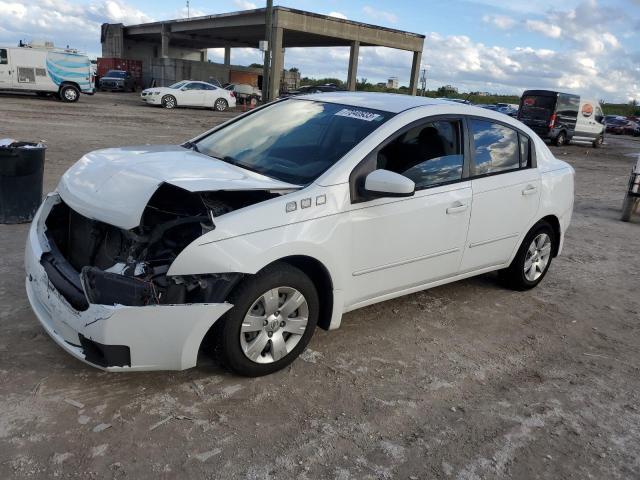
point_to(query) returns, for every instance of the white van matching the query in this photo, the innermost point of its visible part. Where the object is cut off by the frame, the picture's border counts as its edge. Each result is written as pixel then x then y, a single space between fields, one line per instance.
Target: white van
pixel 64 73
pixel 562 117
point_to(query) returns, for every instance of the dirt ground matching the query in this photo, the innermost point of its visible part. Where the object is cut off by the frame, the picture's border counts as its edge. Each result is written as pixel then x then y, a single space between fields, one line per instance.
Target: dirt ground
pixel 465 381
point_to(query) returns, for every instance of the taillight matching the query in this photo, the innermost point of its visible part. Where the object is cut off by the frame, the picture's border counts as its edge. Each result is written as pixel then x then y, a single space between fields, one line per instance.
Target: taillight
pixel 552 121
pixel 233 94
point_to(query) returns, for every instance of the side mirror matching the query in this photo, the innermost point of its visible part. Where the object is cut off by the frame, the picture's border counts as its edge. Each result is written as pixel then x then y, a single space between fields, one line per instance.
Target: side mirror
pixel 384 183
pixel 184 89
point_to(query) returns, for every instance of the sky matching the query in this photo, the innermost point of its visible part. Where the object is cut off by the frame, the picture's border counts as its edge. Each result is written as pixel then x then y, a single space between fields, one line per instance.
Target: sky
pixel 590 47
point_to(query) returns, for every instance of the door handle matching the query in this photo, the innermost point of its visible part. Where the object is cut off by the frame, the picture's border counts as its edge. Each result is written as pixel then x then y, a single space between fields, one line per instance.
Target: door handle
pixel 457 208
pixel 530 190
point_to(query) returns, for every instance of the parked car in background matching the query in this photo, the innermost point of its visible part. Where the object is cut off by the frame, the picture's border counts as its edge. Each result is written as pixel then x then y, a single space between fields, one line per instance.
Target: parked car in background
pixel 244 91
pixel 309 89
pixel 117 80
pixel 562 117
pixel 188 93
pixel 64 73
pixel 257 231
pixel 617 126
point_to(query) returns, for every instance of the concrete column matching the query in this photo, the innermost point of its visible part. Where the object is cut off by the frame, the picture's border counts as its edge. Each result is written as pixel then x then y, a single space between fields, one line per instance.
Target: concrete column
pixel 227 55
pixel 112 38
pixel 415 73
pixel 203 55
pixel 277 63
pixel 166 35
pixel 353 66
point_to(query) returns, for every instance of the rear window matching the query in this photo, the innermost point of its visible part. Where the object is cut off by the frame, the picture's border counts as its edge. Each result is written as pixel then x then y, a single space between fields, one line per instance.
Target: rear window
pixel 537 107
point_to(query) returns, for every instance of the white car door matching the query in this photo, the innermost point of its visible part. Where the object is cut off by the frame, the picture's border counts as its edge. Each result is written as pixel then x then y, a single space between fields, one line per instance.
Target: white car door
pixel 400 243
pixel 506 193
pixel 191 95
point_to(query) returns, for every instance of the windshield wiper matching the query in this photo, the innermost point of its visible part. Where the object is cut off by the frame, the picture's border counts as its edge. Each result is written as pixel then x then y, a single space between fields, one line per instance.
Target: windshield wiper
pixel 191 146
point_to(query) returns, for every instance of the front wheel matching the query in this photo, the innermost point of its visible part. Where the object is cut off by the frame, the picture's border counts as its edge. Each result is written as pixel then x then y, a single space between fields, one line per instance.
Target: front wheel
pixel 274 315
pixel 221 105
pixel 169 101
pixel 533 259
pixel 629 205
pixel 597 143
pixel 69 93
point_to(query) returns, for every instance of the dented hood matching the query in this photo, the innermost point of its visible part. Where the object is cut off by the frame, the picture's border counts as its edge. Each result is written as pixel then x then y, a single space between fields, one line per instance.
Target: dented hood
pixel 115 185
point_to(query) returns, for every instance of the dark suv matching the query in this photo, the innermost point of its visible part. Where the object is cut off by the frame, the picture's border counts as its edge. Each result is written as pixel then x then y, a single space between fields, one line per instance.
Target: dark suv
pixel 118 80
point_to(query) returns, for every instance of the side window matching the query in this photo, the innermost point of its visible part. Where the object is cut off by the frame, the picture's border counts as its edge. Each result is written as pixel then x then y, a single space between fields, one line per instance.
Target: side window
pixel 4 59
pixel 193 86
pixel 495 147
pixel 429 154
pixel 525 151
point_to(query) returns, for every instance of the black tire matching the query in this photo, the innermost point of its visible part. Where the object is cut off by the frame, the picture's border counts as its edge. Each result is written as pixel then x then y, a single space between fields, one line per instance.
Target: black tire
pixel 560 140
pixel 227 330
pixel 69 93
pixel 514 277
pixel 169 102
pixel 597 143
pixel 220 105
pixel 628 207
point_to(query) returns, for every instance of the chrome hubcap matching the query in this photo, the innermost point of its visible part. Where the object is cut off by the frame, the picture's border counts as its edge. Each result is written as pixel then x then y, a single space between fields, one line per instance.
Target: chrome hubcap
pixel 70 94
pixel 220 105
pixel 169 102
pixel 274 325
pixel 537 258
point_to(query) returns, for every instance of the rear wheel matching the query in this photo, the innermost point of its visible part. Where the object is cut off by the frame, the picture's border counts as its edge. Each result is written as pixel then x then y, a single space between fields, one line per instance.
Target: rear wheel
pixel 560 140
pixel 533 259
pixel 221 105
pixel 69 93
pixel 169 101
pixel 274 315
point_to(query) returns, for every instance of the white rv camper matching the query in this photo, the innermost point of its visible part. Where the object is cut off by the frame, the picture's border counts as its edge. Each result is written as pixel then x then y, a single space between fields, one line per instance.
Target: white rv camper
pixel 41 70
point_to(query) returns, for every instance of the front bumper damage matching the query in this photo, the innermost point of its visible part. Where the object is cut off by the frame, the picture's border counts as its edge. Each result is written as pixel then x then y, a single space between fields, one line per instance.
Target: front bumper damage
pixel 114 337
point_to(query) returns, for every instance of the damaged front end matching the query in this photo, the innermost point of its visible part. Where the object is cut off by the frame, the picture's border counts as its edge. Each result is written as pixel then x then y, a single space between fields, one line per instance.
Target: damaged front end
pixel 103 293
pixel 93 262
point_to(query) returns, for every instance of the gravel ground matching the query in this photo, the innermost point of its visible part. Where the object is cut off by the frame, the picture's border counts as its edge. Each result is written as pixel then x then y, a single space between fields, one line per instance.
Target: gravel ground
pixel 465 381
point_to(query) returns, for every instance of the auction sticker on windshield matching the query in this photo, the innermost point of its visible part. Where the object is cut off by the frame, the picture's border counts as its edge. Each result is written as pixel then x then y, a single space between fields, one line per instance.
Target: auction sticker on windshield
pixel 359 114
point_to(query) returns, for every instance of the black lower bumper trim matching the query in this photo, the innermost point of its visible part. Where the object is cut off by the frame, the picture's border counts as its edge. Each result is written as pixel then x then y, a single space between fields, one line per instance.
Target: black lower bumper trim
pixel 105 355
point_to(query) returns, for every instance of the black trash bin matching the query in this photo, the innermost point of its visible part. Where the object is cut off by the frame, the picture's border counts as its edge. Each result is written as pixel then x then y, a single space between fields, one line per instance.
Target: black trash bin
pixel 21 172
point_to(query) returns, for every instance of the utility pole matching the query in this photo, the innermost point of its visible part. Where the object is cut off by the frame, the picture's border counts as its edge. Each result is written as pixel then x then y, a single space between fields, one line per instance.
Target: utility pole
pixel 188 10
pixel 267 53
pixel 423 81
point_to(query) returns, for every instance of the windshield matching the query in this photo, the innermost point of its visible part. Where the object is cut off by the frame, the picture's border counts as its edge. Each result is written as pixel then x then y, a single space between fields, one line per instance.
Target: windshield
pixel 293 140
pixel 178 85
pixel 115 74
pixel 537 107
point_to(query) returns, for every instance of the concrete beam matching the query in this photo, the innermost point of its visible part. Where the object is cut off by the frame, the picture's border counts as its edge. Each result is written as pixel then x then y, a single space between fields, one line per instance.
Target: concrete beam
pixel 227 55
pixel 415 72
pixel 165 37
pixel 277 63
pixel 353 66
pixel 336 28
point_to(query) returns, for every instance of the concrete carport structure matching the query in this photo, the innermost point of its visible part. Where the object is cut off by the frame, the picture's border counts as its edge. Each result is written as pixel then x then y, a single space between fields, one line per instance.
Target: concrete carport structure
pixel 290 28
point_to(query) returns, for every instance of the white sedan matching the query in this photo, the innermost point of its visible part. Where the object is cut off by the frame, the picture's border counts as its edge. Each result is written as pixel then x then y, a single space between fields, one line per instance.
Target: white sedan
pixel 242 243
pixel 190 94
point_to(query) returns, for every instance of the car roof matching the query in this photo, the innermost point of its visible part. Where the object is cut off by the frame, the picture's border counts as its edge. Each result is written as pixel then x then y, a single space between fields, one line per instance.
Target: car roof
pixel 386 102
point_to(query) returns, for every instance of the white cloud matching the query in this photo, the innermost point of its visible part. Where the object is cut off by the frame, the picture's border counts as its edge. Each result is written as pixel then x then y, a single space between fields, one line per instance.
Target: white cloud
pixel 380 15
pixel 244 5
pixel 550 30
pixel 503 22
pixel 337 15
pixel 62 22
